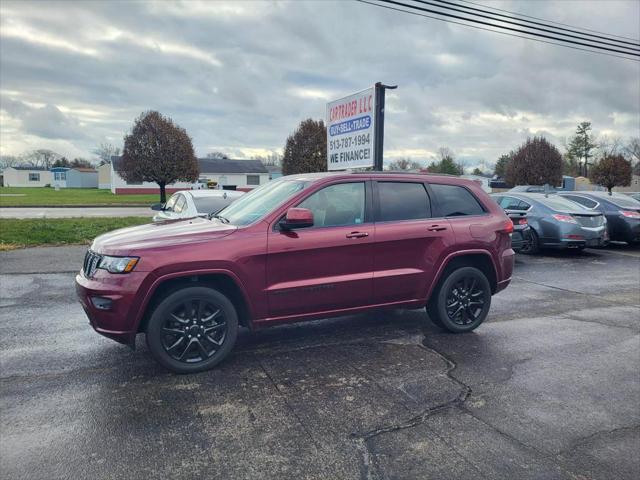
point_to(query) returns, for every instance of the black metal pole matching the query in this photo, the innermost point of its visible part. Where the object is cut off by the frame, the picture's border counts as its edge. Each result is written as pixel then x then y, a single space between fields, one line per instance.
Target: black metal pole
pixel 378 159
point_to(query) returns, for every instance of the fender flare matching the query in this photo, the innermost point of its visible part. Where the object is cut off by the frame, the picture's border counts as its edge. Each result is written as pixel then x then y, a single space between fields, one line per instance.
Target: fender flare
pixel 447 260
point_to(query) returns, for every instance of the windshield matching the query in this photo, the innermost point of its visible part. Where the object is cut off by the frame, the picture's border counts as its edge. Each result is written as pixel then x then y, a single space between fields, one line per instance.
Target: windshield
pixel 211 204
pixel 257 203
pixel 619 200
pixel 560 204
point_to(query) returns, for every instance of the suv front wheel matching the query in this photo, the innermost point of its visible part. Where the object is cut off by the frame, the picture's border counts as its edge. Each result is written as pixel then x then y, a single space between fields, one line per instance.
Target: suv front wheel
pixel 462 300
pixel 192 329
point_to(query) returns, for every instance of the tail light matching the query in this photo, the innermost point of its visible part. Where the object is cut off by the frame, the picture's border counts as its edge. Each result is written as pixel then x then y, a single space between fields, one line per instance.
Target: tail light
pixel 630 214
pixel 564 218
pixel 508 227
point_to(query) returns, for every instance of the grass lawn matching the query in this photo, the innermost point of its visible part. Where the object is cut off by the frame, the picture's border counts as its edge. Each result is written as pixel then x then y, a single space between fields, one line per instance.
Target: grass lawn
pixel 18 233
pixel 44 196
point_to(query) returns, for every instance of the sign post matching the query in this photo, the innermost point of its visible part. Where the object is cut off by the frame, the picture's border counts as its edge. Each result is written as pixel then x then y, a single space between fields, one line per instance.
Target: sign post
pixel 355 130
pixel 378 163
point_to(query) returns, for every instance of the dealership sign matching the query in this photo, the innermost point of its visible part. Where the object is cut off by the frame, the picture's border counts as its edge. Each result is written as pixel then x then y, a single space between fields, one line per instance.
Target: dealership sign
pixel 350 131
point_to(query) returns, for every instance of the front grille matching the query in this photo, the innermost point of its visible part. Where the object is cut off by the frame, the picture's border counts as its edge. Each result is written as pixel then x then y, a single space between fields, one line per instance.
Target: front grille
pixel 90 264
pixel 590 221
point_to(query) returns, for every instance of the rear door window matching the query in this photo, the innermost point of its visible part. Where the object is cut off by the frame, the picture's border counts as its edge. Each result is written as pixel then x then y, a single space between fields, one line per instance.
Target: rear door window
pixel 455 201
pixel 512 203
pixel 402 201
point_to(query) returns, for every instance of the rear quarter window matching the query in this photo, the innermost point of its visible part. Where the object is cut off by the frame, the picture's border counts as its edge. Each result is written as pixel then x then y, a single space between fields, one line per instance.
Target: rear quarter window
pixel 456 201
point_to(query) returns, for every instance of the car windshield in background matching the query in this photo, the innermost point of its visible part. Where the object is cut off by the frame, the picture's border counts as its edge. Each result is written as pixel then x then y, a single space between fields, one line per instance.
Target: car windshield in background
pixel 257 203
pixel 210 204
pixel 562 204
pixel 619 200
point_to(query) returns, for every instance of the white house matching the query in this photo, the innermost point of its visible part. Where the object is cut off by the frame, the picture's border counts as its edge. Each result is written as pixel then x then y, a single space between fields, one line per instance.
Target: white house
pixel 232 174
pixel 27 177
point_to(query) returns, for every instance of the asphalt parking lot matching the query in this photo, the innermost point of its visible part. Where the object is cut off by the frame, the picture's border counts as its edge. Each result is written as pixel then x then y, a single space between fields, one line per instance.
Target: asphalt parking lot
pixel 548 388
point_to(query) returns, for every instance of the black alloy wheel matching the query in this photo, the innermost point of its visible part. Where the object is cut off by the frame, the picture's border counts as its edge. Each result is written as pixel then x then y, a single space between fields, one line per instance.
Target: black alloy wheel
pixel 192 329
pixel 461 301
pixel 465 301
pixel 531 245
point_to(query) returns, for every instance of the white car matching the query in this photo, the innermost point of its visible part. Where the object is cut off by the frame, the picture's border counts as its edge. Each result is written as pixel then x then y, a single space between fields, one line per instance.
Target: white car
pixel 194 203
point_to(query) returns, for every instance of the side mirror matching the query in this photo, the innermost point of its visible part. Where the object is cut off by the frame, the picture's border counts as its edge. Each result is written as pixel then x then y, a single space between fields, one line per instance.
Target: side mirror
pixel 297 218
pixel 158 207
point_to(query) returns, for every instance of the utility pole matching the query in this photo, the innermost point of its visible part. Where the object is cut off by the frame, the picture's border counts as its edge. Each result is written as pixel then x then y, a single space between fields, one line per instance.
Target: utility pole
pixel 378 147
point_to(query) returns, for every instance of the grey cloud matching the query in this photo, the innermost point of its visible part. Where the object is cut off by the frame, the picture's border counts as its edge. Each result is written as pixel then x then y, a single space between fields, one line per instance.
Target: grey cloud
pixel 451 79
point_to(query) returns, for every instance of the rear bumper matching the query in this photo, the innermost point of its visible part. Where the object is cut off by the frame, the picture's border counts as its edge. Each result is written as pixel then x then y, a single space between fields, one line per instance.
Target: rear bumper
pixel 117 295
pixel 506 262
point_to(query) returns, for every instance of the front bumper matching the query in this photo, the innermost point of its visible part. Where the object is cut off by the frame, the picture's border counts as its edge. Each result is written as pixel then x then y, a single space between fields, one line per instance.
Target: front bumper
pixel 119 293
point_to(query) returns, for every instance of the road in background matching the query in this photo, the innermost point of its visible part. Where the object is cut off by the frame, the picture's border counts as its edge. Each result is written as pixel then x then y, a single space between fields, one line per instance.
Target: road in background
pixel 69 212
pixel 547 388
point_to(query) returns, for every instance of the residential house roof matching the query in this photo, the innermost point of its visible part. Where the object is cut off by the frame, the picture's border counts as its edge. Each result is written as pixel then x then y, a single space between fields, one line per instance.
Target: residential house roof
pixel 29 167
pixel 220 165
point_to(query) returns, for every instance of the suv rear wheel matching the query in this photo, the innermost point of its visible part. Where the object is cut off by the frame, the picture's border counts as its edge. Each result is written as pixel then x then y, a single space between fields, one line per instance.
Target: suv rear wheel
pixel 192 329
pixel 462 300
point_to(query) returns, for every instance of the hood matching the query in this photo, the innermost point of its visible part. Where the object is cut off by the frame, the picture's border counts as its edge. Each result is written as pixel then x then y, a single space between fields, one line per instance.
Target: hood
pixel 160 234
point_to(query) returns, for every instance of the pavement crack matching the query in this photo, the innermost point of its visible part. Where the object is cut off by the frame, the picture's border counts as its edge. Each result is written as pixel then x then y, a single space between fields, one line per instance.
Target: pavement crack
pixel 601 433
pixel 362 439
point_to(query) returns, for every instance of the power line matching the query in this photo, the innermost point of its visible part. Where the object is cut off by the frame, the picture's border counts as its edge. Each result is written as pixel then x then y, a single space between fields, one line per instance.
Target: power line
pixel 494 31
pixel 554 30
pixel 549 21
pixel 450 15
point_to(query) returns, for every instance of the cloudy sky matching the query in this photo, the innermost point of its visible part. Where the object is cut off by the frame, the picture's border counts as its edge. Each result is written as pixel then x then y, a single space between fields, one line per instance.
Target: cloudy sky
pixel 239 76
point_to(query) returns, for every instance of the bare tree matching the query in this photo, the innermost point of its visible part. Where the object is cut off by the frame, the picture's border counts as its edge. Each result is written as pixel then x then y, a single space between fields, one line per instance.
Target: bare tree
pixel 41 158
pixel 7 161
pixel 404 164
pixel 609 146
pixel 217 156
pixel 105 151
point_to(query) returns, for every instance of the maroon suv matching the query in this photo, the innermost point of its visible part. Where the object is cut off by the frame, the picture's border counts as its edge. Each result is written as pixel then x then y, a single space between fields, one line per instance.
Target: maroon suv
pixel 300 247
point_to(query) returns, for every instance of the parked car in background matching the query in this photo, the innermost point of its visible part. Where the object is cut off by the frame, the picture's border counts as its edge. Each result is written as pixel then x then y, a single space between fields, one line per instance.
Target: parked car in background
pixel 555 222
pixel 300 247
pixel 194 203
pixel 634 195
pixel 621 211
pixel 532 189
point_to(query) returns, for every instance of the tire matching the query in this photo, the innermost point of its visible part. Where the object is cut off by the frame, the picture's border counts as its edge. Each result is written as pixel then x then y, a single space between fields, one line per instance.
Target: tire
pixel 192 330
pixel 533 245
pixel 469 286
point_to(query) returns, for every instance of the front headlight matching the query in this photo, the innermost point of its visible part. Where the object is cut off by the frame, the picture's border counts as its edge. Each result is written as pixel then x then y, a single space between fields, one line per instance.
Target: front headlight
pixel 118 264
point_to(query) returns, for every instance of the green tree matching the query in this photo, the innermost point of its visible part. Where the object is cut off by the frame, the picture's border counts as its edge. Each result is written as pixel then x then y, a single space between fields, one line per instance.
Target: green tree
pixel 536 162
pixel 404 164
pixel 477 171
pixel 445 163
pixel 157 150
pixel 582 145
pixel 612 171
pixel 500 170
pixel 306 149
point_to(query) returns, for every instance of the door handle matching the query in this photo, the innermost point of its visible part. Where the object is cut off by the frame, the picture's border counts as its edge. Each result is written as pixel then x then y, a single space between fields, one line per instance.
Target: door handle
pixel 436 228
pixel 357 235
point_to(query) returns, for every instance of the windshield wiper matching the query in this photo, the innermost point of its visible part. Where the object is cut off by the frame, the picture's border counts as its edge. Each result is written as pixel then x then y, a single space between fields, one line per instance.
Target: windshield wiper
pixel 219 217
